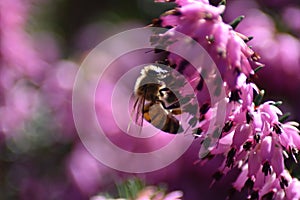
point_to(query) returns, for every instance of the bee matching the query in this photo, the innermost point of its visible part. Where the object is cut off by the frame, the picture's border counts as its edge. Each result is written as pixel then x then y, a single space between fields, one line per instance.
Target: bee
pixel 156 103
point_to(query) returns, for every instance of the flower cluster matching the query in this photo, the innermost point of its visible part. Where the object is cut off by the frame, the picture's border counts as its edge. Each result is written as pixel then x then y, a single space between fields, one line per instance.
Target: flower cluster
pixel 276 41
pixel 203 22
pixel 20 69
pixel 31 81
pixel 254 137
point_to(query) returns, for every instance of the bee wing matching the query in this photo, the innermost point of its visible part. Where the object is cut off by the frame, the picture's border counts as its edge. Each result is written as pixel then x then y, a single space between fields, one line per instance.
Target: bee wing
pixel 138 108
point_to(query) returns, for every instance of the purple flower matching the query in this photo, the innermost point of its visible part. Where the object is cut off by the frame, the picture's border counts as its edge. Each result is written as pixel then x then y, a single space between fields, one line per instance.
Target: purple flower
pixel 203 22
pixel 85 171
pixel 292 191
pixel 184 2
pixel 252 137
pixel 290 14
pixel 242 133
pixel 21 69
pixel 276 44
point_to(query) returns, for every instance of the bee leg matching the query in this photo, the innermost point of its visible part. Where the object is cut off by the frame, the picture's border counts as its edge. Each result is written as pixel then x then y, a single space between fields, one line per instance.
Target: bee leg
pixel 146 114
pixel 138 110
pixel 143 107
pixel 162 103
pixel 176 111
pixel 135 103
pixel 132 112
pixel 174 108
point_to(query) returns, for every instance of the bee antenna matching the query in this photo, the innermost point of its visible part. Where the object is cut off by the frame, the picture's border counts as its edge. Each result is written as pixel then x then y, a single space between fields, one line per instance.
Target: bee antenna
pixel 128 127
pixel 196 162
pixel 186 131
pixel 212 183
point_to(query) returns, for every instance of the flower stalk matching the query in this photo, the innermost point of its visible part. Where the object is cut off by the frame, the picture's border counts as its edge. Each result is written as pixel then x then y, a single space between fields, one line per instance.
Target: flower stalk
pixel 255 136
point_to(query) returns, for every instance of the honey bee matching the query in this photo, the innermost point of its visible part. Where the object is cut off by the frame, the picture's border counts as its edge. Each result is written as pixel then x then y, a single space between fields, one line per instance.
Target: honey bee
pixel 156 103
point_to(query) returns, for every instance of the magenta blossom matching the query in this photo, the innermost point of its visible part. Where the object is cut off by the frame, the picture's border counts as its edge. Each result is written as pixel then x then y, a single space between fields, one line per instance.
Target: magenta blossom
pixel 275 40
pixel 203 22
pixel 253 137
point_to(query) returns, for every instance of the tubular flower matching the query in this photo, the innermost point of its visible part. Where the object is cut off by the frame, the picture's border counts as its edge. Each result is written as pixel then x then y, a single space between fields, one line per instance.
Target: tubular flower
pixel 203 22
pixel 253 137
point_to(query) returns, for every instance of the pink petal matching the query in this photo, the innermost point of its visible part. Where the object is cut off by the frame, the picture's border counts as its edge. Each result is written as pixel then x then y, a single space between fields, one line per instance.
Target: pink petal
pixel 254 163
pixel 257 121
pixel 247 96
pixel 292 135
pixel 234 52
pixel 293 190
pixel 169 20
pixel 242 178
pixel 185 2
pixel 277 159
pixel 174 195
pixel 221 35
pixel 271 112
pixel 241 134
pixel 265 149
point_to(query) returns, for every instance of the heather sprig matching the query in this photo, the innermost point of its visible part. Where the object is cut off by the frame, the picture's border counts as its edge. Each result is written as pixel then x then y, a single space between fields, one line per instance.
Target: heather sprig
pixel 254 138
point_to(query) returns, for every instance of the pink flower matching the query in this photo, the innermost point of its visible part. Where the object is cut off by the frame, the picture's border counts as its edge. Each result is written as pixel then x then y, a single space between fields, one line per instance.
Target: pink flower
pixel 292 191
pixel 279 50
pixel 290 14
pixel 203 22
pixel 289 138
pixel 241 134
pixel 184 2
pixel 266 154
pixel 21 69
pixel 252 137
pixel 149 193
pixel 85 171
